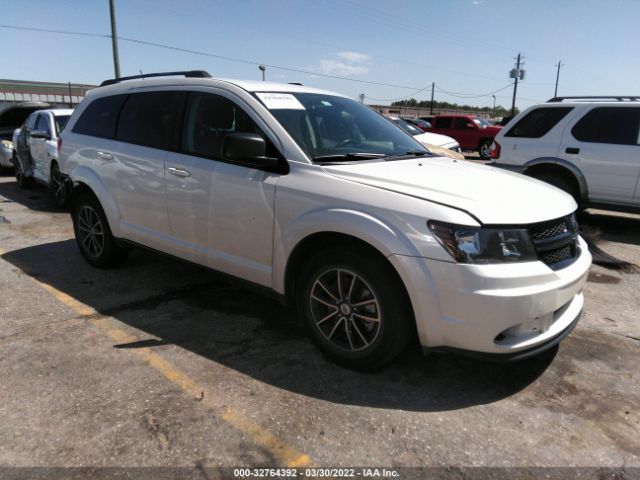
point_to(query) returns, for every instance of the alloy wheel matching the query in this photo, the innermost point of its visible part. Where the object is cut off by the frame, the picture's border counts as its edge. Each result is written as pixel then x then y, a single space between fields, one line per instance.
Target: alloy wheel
pixel 345 309
pixel 90 231
pixel 57 185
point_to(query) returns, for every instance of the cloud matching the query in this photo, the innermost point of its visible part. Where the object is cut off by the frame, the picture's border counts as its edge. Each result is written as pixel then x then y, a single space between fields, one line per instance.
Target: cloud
pixel 335 67
pixel 353 57
pixel 479 2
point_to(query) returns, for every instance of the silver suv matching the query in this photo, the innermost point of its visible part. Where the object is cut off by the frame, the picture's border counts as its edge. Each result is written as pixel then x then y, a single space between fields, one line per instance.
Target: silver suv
pixel 586 146
pixel 328 205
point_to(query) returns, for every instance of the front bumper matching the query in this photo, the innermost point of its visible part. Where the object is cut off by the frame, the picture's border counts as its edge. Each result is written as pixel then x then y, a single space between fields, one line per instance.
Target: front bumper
pixel 497 309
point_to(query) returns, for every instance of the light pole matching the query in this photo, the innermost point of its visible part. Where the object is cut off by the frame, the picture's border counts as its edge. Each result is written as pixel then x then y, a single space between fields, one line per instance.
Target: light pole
pixel 494 104
pixel 262 69
pixel 114 38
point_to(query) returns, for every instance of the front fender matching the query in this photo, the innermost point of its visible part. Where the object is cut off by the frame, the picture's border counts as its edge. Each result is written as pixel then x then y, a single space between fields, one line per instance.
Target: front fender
pixel 81 174
pixel 368 228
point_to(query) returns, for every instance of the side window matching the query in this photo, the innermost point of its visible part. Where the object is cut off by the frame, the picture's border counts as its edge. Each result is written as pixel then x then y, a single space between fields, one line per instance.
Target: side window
pixel 208 119
pixel 31 121
pixel 99 118
pixel 43 123
pixel 461 123
pixel 538 122
pixel 151 119
pixel 442 122
pixel 609 125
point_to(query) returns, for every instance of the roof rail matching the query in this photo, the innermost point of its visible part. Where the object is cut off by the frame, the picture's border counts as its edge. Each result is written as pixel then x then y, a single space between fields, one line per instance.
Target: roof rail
pixel 188 74
pixel 619 98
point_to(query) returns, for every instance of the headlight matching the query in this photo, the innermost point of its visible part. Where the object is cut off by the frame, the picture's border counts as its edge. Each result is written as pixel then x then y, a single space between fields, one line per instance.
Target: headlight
pixel 7 144
pixel 484 245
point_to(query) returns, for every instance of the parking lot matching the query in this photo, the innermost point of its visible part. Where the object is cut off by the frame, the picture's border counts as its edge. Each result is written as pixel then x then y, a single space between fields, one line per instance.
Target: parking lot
pixel 161 363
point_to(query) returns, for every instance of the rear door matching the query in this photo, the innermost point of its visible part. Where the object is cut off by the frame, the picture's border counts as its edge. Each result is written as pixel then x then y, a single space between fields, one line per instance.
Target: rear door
pixel 604 145
pixel 148 126
pixel 442 125
pixel 465 131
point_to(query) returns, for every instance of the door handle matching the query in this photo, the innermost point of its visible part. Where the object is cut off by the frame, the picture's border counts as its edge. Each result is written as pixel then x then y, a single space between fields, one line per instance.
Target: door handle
pixel 178 172
pixel 573 150
pixel 105 156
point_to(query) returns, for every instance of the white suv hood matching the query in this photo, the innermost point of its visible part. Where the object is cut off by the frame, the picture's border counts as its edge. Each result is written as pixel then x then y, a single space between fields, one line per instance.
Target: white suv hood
pixel 490 194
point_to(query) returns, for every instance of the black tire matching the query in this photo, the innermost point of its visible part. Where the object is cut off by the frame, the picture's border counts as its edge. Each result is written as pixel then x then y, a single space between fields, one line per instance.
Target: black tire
pixel 22 180
pixel 89 220
pixel 484 149
pixel 560 182
pixel 58 186
pixel 346 337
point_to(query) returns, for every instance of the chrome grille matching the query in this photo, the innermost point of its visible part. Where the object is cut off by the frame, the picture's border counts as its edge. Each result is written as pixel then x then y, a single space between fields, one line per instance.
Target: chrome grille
pixel 546 230
pixel 558 255
pixel 556 241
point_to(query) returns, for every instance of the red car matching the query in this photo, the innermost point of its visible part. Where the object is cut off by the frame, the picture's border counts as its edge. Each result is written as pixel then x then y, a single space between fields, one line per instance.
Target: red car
pixel 472 133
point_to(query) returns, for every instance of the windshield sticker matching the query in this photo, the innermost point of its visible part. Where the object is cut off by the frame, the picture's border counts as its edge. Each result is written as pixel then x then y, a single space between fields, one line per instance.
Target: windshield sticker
pixel 280 101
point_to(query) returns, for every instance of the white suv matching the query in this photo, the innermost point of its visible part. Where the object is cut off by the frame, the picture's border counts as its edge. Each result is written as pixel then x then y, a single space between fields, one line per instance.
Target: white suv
pixel 586 146
pixel 326 204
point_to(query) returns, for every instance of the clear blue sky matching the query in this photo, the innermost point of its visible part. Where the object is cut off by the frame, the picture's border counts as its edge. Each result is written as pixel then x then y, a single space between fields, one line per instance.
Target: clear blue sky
pixel 465 46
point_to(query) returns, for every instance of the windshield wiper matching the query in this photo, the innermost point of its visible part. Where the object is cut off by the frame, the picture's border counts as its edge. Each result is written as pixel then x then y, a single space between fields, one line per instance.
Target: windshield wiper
pixel 409 154
pixel 341 157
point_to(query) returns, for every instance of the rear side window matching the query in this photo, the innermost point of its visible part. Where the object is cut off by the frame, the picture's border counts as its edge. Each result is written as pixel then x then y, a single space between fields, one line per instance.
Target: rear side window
pixel 442 122
pixel 151 119
pixel 99 118
pixel 609 125
pixel 461 123
pixel 538 122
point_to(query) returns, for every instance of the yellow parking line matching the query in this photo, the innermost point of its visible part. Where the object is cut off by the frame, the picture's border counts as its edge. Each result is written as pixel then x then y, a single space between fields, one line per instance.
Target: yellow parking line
pixel 287 454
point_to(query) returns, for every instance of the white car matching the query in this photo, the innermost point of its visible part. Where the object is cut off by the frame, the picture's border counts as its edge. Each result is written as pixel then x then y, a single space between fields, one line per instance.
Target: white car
pixel 35 148
pixel 325 204
pixel 11 117
pixel 430 140
pixel 586 146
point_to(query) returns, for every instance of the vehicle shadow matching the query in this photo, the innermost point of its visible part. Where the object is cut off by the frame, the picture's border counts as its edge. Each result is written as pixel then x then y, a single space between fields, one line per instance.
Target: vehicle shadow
pixel 613 227
pixel 37 197
pixel 177 303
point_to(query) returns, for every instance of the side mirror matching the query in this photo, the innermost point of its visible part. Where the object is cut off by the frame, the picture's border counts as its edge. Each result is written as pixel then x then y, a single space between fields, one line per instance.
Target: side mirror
pixel 471 125
pixel 249 149
pixel 40 134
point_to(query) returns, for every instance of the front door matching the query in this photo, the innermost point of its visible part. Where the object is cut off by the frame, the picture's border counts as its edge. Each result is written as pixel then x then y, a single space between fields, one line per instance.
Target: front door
pixel 220 214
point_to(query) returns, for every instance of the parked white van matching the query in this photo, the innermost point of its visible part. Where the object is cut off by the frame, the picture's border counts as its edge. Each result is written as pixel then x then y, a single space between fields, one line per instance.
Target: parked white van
pixel 326 204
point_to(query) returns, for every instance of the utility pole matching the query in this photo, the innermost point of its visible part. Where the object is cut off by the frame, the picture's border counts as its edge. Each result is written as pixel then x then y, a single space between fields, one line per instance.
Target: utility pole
pixel 433 86
pixel 555 94
pixel 518 74
pixel 114 39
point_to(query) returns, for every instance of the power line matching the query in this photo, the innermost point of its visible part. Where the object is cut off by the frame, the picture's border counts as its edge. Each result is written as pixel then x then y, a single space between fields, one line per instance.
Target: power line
pixel 472 95
pixel 211 55
pixel 252 62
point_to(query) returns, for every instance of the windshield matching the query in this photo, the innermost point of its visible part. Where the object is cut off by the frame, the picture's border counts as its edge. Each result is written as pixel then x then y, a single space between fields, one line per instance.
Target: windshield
pixel 331 126
pixel 61 121
pixel 481 122
pixel 406 126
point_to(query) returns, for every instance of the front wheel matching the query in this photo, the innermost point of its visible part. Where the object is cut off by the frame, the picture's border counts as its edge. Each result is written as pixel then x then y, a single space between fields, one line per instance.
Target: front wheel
pixel 58 186
pixel 355 308
pixel 485 150
pixel 93 235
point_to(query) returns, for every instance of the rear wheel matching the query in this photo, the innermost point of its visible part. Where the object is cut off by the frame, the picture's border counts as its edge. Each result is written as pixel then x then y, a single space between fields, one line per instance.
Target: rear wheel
pixel 93 235
pixel 355 308
pixel 58 186
pixel 485 149
pixel 22 180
